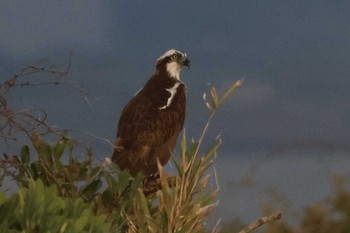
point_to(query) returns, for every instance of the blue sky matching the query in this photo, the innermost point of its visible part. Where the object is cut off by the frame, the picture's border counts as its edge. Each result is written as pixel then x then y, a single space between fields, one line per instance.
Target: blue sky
pixel 293 55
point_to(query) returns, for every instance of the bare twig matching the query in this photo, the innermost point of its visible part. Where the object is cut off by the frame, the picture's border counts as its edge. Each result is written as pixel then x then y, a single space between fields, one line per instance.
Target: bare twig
pixel 261 221
pixel 28 120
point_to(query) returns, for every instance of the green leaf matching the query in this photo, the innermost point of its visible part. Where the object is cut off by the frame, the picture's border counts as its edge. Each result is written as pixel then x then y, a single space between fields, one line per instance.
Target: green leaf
pixel 123 181
pixel 59 148
pixel 25 154
pixel 90 190
pixel 143 203
pixel 82 221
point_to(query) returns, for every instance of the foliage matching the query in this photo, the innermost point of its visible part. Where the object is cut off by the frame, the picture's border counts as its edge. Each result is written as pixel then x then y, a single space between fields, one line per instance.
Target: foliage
pixel 39 208
pixel 183 201
pixel 62 192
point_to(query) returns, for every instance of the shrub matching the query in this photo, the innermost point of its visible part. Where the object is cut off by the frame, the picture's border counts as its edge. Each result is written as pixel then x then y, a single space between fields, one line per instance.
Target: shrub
pixel 39 208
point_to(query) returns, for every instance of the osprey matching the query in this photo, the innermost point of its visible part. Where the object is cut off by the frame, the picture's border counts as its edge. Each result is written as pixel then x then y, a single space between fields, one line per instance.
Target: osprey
pixel 150 123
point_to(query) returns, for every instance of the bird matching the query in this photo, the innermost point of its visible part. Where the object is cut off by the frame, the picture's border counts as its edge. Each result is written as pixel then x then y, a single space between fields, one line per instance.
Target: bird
pixel 150 123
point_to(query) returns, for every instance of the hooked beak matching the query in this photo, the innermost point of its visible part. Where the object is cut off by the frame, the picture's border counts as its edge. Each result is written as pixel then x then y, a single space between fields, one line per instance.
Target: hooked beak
pixel 187 63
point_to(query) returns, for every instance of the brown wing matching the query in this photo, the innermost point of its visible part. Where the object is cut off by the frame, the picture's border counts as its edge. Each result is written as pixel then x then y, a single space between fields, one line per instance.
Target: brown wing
pixel 146 132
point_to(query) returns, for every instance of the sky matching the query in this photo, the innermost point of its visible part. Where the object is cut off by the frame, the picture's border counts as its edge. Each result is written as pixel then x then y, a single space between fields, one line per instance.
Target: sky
pixel 287 127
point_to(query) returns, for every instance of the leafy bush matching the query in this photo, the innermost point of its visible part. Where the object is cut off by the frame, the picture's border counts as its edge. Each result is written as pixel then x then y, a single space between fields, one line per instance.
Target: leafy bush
pixel 183 202
pixel 39 208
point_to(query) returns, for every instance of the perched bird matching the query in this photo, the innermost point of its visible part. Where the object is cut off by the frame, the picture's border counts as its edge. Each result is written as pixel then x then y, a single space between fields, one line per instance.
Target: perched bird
pixel 150 123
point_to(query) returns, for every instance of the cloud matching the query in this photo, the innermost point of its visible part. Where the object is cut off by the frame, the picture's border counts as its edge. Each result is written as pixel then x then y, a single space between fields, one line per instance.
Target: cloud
pixel 254 91
pixel 28 26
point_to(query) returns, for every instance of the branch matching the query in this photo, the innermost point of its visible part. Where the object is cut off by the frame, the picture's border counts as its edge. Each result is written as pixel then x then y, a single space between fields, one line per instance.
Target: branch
pixel 11 120
pixel 261 221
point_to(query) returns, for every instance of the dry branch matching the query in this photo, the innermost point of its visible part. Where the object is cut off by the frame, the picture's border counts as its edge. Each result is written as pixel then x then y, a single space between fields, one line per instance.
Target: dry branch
pixel 27 120
pixel 261 221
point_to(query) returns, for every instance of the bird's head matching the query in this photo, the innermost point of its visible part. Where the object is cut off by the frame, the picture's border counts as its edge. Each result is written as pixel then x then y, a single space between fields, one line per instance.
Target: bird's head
pixel 172 61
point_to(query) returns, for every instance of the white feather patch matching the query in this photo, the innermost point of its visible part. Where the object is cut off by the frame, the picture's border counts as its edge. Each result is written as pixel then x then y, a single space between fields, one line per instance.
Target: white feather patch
pixel 172 92
pixel 170 53
pixel 174 69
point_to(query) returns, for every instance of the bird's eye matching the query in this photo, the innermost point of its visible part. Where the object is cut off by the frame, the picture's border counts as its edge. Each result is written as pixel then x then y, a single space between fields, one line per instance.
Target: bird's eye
pixel 175 56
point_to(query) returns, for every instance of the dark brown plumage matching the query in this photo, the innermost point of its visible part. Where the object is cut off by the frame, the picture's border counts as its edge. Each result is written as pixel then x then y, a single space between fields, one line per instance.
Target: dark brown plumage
pixel 150 123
